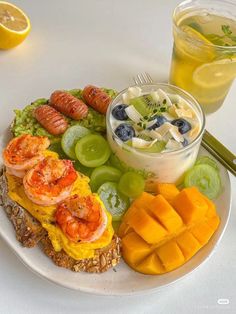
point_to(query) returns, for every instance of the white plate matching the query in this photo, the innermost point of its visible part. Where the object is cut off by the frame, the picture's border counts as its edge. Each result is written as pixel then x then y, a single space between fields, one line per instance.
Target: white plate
pixel 123 281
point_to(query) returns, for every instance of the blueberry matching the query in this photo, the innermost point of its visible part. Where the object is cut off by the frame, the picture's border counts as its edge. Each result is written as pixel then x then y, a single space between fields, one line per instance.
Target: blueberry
pixel 125 132
pixel 119 112
pixel 183 125
pixel 185 142
pixel 159 121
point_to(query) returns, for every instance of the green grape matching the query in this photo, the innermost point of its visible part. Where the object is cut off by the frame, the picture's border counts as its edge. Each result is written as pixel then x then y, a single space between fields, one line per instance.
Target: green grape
pixel 71 137
pixel 131 184
pixel 92 150
pixel 103 174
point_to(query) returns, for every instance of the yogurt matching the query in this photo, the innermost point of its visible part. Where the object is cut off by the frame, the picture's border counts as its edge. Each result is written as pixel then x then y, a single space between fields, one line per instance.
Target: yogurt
pixel 162 140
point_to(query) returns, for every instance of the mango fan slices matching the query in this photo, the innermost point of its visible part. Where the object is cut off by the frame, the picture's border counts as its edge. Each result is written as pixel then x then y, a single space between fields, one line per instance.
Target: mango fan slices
pixel 160 233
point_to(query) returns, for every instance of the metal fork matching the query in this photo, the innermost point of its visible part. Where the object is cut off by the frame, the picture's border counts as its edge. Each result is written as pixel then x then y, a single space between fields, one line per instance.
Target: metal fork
pixel 209 142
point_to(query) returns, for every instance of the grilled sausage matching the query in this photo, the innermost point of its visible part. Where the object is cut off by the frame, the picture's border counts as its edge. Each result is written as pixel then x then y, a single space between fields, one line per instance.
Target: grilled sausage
pixel 50 119
pixel 96 98
pixel 69 105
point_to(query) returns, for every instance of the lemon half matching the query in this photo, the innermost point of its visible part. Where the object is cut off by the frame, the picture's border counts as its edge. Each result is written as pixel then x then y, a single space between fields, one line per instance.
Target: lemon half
pixel 14 25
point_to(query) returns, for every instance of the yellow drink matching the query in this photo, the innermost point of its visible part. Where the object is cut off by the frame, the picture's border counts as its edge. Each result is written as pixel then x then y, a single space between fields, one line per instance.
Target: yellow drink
pixel 204 52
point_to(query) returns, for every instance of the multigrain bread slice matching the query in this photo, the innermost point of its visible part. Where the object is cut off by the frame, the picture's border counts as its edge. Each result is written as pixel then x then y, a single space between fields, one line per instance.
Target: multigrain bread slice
pixel 104 258
pixel 29 232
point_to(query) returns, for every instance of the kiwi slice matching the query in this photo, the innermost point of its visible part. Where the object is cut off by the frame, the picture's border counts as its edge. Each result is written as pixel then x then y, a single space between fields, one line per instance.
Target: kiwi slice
pixel 206 178
pixel 144 104
pixel 155 148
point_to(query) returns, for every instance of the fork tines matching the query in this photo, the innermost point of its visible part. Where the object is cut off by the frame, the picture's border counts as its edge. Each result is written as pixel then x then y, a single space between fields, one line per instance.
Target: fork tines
pixel 143 78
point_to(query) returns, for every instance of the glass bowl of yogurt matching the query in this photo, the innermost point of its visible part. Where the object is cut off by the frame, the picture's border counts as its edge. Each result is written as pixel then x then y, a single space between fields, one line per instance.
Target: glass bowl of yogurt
pixel 155 129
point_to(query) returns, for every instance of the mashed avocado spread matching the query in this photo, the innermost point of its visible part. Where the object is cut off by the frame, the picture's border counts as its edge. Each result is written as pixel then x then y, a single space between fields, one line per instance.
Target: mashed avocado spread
pixel 24 121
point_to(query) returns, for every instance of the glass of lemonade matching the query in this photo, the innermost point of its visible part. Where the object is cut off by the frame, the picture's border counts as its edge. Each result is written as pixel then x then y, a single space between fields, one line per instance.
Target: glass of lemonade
pixel 152 110
pixel 204 51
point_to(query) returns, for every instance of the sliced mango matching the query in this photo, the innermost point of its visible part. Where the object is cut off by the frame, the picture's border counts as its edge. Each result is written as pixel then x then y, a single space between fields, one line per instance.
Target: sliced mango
pixel 190 205
pixel 214 222
pixel 124 229
pixel 143 200
pixel 168 190
pixel 147 227
pixel 151 265
pixel 202 232
pixel 171 255
pixel 188 244
pixel 159 236
pixel 165 213
pixel 138 249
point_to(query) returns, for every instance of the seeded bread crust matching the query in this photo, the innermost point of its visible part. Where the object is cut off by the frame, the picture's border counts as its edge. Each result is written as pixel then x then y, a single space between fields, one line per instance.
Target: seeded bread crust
pixel 28 230
pixel 29 233
pixel 104 258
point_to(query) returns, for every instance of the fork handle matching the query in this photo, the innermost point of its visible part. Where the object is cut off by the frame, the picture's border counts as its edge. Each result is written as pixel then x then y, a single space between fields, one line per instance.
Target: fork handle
pixel 219 151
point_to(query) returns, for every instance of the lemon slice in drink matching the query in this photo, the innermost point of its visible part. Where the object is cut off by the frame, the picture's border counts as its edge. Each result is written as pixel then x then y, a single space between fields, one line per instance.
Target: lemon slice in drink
pixel 215 74
pixel 191 32
pixel 194 45
pixel 14 25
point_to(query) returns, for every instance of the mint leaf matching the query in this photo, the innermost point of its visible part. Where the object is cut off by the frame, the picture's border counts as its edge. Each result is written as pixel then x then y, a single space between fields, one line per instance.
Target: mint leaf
pixel 226 29
pixel 215 39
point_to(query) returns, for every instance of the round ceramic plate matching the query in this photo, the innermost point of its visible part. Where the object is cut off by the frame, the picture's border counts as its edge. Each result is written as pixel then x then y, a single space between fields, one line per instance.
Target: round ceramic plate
pixel 122 280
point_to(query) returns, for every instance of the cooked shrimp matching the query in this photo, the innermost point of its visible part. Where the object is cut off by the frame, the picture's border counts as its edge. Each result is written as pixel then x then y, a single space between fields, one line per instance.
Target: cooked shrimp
pixel 50 181
pixel 81 218
pixel 23 152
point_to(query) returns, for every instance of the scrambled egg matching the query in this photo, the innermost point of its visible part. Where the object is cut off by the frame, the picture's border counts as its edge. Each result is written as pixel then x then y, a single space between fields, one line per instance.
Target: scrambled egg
pixel 45 214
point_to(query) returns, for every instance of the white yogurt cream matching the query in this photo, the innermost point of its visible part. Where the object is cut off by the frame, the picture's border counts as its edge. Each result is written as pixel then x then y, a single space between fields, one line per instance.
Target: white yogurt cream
pixel 157 130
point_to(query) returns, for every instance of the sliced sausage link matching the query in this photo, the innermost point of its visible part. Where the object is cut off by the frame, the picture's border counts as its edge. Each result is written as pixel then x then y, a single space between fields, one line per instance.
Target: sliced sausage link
pixel 50 119
pixel 97 98
pixel 69 105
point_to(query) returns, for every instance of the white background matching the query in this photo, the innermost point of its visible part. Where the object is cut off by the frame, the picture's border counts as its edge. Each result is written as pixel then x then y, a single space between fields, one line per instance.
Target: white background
pixel 106 42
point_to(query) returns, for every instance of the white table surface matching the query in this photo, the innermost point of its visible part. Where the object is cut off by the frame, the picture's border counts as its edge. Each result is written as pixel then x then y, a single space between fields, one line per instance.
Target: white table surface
pixel 106 42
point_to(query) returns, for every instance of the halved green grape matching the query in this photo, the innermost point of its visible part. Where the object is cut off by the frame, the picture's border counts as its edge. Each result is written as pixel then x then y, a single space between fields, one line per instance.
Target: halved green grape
pixel 83 169
pixel 103 174
pixel 71 137
pixel 92 150
pixel 207 161
pixel 131 184
pixel 115 202
pixel 205 178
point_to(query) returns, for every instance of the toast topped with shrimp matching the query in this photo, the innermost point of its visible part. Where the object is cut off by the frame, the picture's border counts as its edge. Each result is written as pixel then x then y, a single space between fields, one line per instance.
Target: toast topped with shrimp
pixel 51 204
